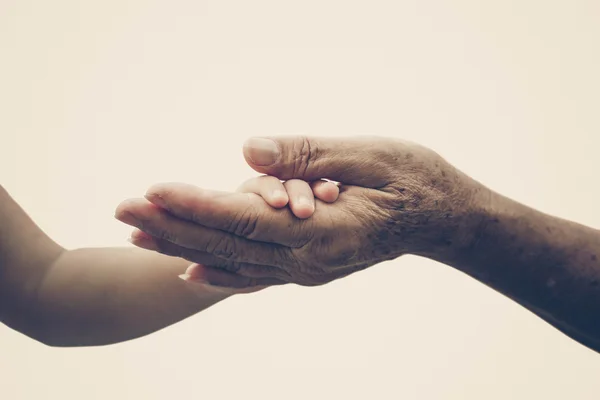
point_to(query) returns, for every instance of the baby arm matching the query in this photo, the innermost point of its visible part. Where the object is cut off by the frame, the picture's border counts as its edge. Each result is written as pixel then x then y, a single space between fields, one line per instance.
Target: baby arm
pixel 98 296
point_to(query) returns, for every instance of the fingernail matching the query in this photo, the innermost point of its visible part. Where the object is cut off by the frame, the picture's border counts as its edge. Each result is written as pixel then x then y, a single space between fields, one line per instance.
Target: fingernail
pixel 262 152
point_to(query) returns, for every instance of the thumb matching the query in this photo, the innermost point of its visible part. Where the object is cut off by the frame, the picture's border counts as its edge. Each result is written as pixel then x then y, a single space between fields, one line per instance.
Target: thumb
pixel 363 161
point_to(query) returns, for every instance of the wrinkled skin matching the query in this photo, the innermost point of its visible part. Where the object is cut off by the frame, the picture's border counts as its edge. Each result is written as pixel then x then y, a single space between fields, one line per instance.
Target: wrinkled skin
pixel 396 198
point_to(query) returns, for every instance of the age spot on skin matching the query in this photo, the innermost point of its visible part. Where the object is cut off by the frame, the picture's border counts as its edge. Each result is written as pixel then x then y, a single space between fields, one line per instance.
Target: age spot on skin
pixel 593 257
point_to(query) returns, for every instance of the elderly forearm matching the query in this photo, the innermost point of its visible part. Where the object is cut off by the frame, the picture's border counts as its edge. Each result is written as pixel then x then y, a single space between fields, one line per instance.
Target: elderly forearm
pixel 549 265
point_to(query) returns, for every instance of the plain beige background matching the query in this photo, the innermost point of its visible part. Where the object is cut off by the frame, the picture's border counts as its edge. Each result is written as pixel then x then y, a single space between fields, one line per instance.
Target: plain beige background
pixel 100 99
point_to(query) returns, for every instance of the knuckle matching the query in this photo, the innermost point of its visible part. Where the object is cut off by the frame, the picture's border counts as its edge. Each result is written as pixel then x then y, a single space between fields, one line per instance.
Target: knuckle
pixel 233 267
pixel 166 235
pixel 304 153
pixel 244 224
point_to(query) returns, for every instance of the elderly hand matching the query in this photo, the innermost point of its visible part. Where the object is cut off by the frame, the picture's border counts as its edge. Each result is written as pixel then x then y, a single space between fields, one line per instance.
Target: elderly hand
pixel 298 195
pixel 396 198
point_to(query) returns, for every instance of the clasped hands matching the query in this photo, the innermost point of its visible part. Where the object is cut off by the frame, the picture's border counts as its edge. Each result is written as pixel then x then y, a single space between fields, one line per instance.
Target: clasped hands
pixel 393 198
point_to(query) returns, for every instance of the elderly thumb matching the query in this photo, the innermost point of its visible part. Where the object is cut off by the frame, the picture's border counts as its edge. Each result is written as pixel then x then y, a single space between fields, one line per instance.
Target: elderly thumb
pixel 362 161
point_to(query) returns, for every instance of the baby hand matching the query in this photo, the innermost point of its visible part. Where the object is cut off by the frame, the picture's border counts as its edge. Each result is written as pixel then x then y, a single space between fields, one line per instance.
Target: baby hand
pixel 298 194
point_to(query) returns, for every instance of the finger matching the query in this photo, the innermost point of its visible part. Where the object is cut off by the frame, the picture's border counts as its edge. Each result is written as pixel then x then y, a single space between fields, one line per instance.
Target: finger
pixel 201 274
pixel 160 224
pixel 242 214
pixel 250 274
pixel 363 161
pixel 313 280
pixel 325 191
pixel 148 242
pixel 227 280
pixel 302 199
pixel 269 188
